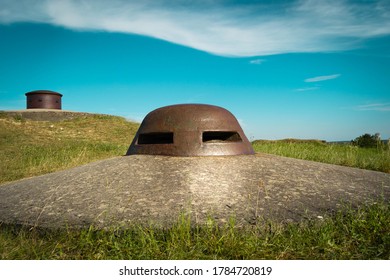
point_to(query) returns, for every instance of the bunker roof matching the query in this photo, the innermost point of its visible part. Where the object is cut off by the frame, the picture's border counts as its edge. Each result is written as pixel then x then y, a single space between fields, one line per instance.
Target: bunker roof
pixel 43 92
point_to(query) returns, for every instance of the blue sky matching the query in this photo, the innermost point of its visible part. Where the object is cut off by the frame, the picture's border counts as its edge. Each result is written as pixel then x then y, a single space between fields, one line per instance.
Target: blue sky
pixel 286 69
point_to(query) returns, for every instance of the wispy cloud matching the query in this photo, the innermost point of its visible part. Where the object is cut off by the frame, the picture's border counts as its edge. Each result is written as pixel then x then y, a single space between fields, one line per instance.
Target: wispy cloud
pixel 322 78
pixel 306 89
pixel 228 28
pixel 374 107
pixel 257 61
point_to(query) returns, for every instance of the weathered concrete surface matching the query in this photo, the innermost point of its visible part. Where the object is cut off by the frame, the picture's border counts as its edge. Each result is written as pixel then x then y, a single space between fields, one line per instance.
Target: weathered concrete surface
pixel 156 189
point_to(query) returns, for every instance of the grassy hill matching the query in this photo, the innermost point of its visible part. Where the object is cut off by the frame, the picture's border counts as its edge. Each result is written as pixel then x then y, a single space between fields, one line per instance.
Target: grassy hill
pixel 341 154
pixel 30 148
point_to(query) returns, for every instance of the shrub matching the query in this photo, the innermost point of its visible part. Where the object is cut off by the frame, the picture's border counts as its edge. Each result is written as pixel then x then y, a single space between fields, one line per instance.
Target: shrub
pixel 367 140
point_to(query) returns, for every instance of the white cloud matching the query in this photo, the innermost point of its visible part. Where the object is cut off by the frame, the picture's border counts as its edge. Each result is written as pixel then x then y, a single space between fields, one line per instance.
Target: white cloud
pixel 257 61
pixel 219 27
pixel 306 89
pixel 374 107
pixel 322 78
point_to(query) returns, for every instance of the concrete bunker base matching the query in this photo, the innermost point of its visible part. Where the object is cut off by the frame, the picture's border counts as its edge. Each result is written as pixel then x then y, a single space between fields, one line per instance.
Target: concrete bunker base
pixel 145 189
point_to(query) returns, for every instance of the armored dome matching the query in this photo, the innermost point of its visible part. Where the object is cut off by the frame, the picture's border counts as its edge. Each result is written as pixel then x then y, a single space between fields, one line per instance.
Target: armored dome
pixel 190 130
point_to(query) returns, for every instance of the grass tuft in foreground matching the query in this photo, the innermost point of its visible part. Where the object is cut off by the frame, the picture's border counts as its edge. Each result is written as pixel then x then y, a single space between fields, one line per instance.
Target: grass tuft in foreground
pixel 351 234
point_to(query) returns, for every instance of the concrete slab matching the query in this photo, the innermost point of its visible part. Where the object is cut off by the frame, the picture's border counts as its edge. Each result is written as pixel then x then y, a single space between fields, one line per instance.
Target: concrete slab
pixel 155 189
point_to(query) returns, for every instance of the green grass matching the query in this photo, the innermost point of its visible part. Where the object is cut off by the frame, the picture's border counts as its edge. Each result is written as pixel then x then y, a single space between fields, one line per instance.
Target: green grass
pixel 351 234
pixel 30 148
pixel 341 154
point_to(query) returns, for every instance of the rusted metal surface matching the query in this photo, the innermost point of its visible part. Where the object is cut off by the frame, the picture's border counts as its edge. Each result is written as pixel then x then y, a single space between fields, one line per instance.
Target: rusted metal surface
pixel 43 99
pixel 190 130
